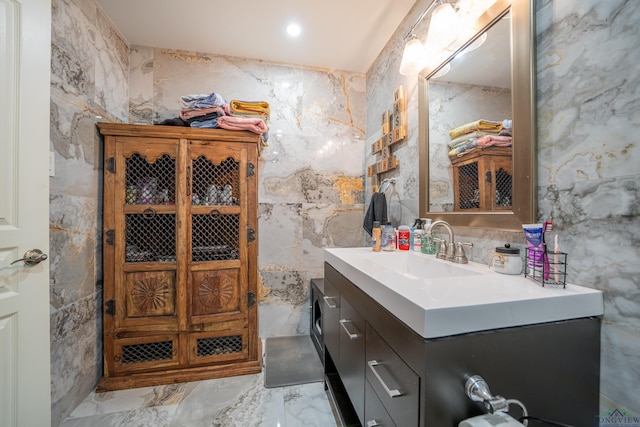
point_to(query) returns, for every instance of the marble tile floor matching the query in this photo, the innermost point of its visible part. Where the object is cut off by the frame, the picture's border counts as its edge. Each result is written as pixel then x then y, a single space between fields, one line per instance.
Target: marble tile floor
pixel 226 402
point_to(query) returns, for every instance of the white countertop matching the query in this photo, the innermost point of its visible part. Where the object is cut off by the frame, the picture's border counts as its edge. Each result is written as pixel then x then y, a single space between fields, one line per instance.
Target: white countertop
pixel 438 298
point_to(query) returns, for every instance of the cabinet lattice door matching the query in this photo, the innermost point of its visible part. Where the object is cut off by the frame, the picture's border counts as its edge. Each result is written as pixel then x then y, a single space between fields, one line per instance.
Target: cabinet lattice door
pixel 482 180
pixel 180 255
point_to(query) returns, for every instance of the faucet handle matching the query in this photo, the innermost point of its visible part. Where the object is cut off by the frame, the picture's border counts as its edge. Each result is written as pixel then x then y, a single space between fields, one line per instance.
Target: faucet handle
pixel 459 257
pixel 442 249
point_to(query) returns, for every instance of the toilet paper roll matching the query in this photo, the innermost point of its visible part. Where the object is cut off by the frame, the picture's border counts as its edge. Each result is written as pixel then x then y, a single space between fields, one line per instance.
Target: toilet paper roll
pixel 499 419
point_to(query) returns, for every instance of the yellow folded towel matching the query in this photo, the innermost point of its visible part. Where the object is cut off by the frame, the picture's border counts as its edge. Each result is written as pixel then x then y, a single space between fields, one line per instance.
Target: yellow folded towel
pixel 478 125
pixel 250 108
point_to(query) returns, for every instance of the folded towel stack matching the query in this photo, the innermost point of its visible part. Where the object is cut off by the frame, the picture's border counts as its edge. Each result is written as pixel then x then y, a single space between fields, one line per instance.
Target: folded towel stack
pixel 478 125
pixel 212 111
pixel 203 110
pixel 250 109
pixel 479 134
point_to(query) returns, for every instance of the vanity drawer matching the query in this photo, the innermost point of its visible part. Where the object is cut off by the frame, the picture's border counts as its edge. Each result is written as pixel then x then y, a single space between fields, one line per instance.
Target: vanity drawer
pixel 374 413
pixel 396 385
pixel 331 319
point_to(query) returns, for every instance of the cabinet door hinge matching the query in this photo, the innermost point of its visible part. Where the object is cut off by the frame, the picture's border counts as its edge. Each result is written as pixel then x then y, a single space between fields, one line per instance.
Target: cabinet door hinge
pixel 110 237
pixel 110 307
pixel 250 169
pixel 251 298
pixel 110 164
pixel 251 235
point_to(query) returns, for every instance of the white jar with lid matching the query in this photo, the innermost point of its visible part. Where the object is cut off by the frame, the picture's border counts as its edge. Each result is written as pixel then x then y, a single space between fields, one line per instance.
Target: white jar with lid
pixel 506 260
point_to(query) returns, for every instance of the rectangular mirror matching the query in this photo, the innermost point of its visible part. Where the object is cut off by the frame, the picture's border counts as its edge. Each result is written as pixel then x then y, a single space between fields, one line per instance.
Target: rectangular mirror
pixel 469 177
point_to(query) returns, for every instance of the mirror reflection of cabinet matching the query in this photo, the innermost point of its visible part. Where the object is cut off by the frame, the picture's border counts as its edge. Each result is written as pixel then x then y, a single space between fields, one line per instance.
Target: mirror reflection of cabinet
pixel 442 107
pixel 482 181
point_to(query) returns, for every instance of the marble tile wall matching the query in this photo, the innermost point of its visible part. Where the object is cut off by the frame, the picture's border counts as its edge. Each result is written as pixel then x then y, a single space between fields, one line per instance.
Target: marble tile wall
pixel 310 174
pixel 89 70
pixel 588 159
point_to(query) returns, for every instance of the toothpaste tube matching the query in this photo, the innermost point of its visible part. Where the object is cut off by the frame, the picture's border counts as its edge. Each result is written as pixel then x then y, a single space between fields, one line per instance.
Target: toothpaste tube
pixel 534 234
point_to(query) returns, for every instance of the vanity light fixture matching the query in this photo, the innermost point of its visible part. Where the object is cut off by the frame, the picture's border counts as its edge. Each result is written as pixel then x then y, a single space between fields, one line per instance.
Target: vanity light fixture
pixel 448 24
pixel 443 28
pixel 413 58
pixel 474 45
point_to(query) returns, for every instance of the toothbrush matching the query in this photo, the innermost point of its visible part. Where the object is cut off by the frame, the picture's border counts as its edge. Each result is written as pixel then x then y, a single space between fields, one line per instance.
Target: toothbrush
pixel 556 249
pixel 548 226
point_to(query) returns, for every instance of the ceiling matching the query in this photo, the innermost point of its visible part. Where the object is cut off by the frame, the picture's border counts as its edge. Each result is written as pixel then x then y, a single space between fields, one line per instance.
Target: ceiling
pixel 337 34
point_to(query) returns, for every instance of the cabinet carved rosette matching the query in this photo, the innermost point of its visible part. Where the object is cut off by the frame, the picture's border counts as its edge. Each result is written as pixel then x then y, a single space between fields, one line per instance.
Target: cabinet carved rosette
pixel 180 255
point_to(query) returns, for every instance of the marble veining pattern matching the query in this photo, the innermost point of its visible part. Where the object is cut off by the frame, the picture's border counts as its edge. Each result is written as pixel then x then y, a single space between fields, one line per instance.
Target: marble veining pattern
pixel 588 109
pixel 310 188
pixel 89 78
pixel 225 402
pixel 284 309
pixel 76 353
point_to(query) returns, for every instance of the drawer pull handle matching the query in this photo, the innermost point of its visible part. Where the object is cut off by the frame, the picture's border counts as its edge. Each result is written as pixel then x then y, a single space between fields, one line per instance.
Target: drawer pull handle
pixel 392 393
pixel 373 423
pixel 329 304
pixel 352 336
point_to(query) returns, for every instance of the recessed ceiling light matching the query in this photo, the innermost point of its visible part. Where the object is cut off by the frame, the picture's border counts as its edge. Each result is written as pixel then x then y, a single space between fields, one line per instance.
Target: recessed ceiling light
pixel 294 30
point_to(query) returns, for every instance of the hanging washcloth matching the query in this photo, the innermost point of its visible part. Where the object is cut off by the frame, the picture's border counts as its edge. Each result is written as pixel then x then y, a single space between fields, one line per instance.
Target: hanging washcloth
pixel 377 211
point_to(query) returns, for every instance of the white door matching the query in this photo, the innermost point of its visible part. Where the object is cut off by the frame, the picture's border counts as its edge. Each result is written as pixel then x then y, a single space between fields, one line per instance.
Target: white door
pixel 25 44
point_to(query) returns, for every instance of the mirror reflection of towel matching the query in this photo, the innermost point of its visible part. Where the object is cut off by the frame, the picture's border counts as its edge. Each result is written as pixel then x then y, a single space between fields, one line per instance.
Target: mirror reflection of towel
pixel 377 211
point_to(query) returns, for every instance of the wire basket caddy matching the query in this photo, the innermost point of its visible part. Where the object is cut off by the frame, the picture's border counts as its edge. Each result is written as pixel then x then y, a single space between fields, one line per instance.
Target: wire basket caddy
pixel 546 268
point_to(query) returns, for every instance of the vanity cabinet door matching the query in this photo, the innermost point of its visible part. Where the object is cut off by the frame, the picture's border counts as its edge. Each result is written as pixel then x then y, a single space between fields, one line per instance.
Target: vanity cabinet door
pixel 394 382
pixel 374 413
pixel 352 353
pixel 330 319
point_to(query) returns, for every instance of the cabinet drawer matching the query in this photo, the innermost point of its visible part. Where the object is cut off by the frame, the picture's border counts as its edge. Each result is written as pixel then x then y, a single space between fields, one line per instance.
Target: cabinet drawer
pixel 146 352
pixel 374 413
pixel 395 384
pixel 330 319
pixel 352 353
pixel 212 347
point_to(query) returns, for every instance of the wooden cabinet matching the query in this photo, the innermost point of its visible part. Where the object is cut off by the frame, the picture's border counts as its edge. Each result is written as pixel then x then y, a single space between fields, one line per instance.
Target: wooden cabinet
pixel 482 180
pixel 180 255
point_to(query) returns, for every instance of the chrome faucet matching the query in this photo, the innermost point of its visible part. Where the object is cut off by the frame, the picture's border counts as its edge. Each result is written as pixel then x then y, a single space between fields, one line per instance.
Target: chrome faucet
pixel 450 250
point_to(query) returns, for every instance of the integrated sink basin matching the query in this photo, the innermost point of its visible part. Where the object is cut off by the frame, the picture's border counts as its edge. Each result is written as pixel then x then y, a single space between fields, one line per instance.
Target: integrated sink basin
pixel 438 298
pixel 414 266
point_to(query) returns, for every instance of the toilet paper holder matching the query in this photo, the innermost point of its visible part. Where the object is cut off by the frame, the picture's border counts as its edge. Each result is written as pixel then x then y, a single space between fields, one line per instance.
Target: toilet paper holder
pixel 477 390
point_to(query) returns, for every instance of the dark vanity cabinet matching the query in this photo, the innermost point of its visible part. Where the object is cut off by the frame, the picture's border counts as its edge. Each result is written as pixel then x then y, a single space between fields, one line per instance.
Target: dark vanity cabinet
pixel 352 352
pixel 392 376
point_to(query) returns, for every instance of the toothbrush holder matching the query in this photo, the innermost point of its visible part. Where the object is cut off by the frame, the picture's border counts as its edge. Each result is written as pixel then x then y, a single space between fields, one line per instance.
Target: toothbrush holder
pixel 546 268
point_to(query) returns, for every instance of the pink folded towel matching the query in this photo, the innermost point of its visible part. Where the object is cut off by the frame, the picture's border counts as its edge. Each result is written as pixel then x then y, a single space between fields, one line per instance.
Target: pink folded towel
pixel 189 113
pixel 242 123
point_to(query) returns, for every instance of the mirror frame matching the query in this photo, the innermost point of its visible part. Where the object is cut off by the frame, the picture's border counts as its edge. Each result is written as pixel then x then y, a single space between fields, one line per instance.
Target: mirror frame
pixel 523 98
